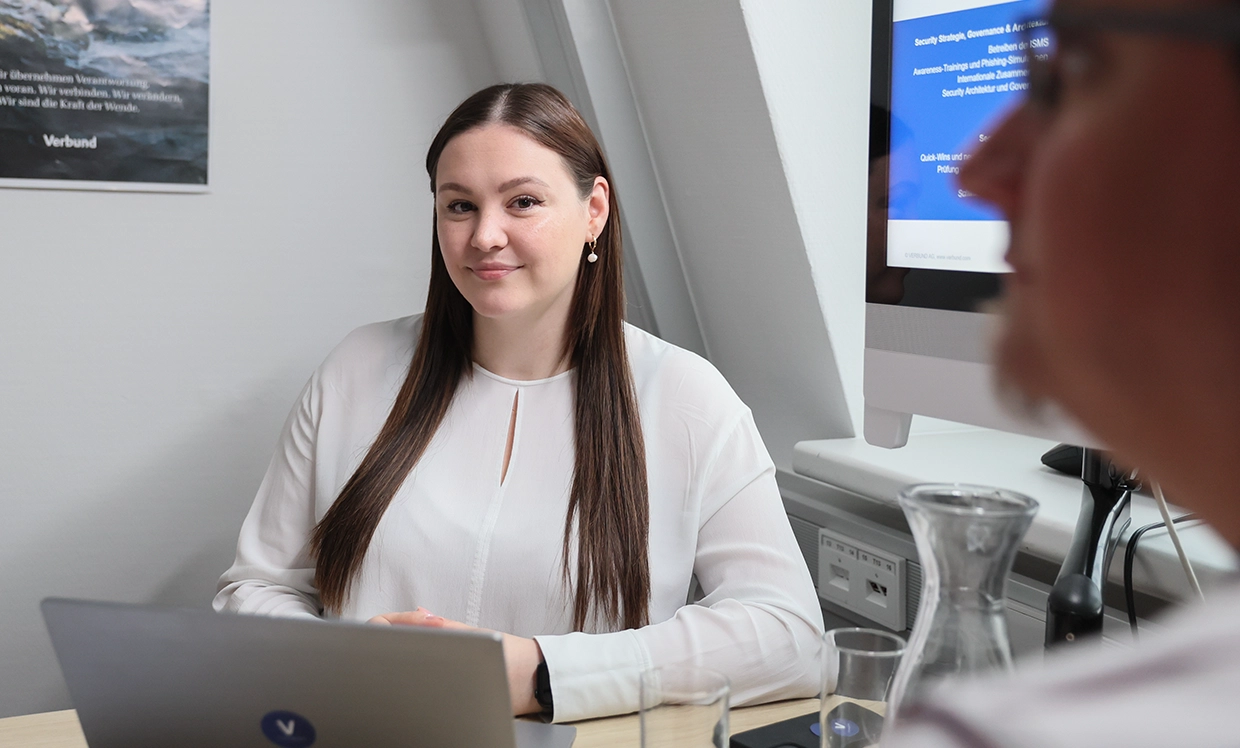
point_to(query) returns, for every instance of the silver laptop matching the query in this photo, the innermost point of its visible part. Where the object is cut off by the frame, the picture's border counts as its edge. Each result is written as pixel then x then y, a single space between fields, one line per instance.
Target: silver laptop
pixel 147 676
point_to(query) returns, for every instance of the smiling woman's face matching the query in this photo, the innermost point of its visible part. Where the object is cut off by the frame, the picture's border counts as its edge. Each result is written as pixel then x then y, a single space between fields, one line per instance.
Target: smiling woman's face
pixel 512 224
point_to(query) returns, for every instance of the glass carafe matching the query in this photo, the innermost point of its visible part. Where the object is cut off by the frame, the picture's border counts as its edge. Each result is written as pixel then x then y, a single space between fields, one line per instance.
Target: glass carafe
pixel 967 538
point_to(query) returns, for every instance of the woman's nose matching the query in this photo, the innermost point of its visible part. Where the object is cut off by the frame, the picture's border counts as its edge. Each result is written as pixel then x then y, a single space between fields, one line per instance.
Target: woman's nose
pixel 489 234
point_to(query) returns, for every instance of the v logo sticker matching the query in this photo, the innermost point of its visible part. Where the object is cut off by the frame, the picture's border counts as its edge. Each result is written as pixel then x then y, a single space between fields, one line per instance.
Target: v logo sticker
pixel 285 728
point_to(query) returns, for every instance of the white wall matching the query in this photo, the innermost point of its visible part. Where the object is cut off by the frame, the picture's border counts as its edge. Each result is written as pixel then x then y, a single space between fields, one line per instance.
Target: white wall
pixel 814 61
pixel 510 40
pixel 151 345
pixel 699 88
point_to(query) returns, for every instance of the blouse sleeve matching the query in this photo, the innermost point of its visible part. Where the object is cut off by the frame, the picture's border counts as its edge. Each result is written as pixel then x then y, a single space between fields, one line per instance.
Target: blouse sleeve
pixel 273 573
pixel 759 622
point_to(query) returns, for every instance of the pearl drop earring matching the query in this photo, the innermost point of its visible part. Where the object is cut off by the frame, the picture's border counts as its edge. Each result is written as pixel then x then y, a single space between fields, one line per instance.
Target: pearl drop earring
pixel 592 257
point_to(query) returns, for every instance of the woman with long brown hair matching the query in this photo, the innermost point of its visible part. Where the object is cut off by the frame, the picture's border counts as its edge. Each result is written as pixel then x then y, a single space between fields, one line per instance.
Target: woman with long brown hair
pixel 519 458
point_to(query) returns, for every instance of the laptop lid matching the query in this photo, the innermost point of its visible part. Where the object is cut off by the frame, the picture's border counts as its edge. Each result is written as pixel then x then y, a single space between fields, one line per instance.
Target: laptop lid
pixel 142 675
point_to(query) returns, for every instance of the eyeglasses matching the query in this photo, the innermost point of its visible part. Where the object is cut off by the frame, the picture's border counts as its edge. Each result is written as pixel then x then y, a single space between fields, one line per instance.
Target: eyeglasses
pixel 1217 25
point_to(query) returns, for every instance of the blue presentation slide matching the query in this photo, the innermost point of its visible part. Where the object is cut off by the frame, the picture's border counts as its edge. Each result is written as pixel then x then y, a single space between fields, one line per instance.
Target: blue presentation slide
pixel 953 75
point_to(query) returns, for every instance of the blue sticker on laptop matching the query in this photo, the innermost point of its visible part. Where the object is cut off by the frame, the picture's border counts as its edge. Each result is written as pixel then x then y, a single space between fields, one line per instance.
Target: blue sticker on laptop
pixel 288 729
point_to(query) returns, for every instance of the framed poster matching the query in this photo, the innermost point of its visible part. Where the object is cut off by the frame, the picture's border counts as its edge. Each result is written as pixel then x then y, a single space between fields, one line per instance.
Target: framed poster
pixel 104 94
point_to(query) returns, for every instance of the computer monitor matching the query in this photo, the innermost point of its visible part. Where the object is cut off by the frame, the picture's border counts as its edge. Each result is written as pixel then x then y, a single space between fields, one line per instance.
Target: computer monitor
pixel 943 72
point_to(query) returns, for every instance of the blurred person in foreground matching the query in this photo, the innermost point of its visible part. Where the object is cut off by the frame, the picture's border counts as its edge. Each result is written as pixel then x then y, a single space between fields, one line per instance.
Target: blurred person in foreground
pixel 1120 176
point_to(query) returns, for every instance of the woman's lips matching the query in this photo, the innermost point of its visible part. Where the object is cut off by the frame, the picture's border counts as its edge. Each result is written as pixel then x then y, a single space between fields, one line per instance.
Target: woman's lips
pixel 492 272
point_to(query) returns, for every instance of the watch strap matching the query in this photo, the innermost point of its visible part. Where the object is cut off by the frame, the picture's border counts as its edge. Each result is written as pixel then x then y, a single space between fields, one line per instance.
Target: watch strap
pixel 542 690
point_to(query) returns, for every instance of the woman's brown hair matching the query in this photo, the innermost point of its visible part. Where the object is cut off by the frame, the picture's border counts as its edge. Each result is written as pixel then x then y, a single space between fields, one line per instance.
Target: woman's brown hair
pixel 608 506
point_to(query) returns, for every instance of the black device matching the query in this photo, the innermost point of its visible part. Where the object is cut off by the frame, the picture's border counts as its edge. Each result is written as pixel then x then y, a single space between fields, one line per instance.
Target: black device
pixel 849 725
pixel 1074 608
pixel 1065 458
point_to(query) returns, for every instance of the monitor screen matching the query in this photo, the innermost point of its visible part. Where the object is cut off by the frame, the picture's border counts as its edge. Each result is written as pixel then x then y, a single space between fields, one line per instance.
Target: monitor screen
pixel 945 72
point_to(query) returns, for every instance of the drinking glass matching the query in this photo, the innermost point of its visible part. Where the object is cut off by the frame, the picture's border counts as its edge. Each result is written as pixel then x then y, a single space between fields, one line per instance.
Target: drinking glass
pixel 684 705
pixel 857 668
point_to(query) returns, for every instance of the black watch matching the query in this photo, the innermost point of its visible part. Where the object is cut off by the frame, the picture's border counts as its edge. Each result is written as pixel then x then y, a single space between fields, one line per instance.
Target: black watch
pixel 542 690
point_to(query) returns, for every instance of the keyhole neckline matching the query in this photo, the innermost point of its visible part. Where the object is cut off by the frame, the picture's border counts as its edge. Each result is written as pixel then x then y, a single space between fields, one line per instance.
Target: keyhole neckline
pixel 522 382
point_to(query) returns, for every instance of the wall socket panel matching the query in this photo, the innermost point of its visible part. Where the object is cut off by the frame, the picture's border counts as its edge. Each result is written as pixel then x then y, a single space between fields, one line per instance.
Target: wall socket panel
pixel 861 578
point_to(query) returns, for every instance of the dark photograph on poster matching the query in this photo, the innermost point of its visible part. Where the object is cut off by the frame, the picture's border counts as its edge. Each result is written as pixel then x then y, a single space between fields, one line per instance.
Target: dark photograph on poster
pixel 104 91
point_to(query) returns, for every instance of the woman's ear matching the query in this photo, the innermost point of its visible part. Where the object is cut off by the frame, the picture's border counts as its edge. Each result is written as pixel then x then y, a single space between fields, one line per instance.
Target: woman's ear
pixel 598 206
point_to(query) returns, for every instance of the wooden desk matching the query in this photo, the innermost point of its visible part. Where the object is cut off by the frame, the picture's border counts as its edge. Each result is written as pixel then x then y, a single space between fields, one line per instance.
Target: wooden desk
pixel 61 729
pixel 47 730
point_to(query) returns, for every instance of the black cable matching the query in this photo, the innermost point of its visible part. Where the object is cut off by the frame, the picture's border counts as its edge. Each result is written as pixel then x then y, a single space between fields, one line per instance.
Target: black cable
pixel 1130 555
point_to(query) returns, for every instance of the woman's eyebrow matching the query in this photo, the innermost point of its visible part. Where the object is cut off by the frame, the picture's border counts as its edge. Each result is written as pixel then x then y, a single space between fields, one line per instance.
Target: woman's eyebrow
pixel 521 180
pixel 455 187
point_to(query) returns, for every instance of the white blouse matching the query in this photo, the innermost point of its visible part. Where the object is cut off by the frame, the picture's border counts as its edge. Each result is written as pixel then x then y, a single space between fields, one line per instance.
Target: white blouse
pixel 466 542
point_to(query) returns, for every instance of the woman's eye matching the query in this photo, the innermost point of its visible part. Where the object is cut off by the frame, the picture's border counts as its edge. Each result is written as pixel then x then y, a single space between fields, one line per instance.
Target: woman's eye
pixel 525 202
pixel 459 206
